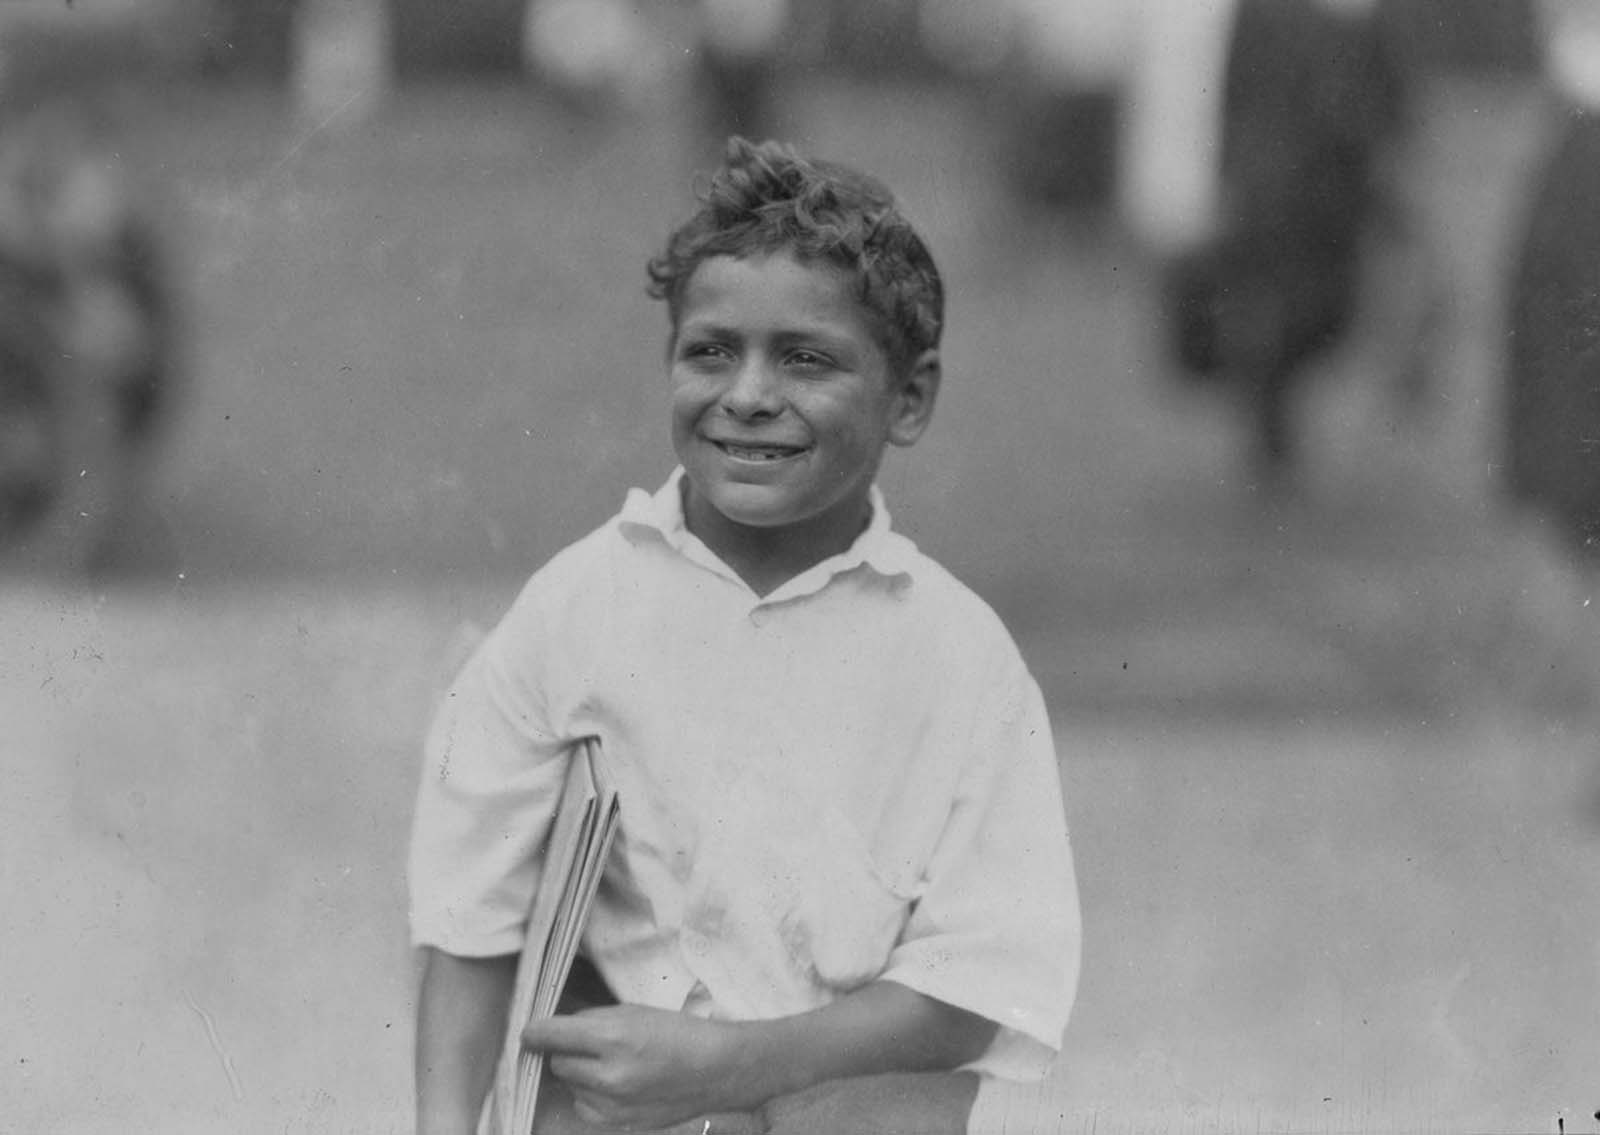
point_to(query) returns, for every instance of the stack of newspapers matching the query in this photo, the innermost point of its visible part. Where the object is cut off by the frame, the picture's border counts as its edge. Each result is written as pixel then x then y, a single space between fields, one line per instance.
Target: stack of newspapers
pixel 574 860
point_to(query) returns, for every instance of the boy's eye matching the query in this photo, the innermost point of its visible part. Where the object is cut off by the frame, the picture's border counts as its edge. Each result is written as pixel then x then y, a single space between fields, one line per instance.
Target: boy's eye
pixel 704 352
pixel 808 360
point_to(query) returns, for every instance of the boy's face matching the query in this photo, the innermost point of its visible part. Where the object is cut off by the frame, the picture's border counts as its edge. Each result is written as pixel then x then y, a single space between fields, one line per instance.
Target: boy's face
pixel 783 399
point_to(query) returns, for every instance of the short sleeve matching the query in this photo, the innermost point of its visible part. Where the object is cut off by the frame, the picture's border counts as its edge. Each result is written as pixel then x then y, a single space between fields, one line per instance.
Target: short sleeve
pixel 996 927
pixel 493 766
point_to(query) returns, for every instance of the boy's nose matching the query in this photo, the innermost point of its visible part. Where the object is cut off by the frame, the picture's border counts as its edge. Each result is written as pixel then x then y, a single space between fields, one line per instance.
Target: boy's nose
pixel 754 392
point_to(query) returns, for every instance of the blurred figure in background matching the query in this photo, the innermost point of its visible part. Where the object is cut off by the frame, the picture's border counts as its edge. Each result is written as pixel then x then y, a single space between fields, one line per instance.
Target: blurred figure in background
pixel 739 43
pixel 1062 87
pixel 87 343
pixel 340 64
pixel 1553 396
pixel 1313 101
pixel 596 55
pixel 603 56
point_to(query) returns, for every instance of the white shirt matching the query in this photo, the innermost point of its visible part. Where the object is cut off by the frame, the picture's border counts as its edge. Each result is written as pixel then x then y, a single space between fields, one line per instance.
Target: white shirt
pixel 848 779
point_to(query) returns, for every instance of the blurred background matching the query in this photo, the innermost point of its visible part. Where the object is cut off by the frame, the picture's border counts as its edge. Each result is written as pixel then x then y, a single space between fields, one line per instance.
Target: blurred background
pixel 1269 426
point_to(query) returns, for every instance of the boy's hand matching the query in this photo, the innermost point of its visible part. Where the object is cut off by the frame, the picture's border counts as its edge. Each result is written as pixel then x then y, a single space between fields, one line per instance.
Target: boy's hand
pixel 633 1067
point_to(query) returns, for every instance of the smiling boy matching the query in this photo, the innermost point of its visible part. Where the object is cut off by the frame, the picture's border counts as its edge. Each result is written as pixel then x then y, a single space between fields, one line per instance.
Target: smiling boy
pixel 782 403
pixel 843 889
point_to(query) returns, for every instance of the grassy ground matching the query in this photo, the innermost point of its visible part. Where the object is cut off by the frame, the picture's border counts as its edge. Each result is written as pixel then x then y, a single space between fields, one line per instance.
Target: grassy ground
pixel 1330 763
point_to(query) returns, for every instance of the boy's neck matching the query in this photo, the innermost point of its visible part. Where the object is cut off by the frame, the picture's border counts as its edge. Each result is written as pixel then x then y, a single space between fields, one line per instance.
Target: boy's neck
pixel 767 558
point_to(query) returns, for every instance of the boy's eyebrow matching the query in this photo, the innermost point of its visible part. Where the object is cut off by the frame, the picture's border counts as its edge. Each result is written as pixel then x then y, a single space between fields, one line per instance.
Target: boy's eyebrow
pixel 788 336
pixel 816 335
pixel 705 327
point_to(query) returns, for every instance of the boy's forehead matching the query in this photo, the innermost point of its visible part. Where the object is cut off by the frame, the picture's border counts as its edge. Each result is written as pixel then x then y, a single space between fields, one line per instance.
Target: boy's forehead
pixel 774 284
pixel 817 271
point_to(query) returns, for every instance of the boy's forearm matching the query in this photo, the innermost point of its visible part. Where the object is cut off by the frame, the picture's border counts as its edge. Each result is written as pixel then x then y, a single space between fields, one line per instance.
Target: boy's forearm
pixel 461 1021
pixel 881 1028
pixel 630 1066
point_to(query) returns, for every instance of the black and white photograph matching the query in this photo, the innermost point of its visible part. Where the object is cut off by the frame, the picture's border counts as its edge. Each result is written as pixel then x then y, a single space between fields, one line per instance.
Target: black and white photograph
pixel 800 567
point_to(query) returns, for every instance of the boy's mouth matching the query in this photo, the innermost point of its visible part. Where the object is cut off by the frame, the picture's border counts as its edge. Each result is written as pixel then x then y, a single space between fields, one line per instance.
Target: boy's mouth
pixel 758 452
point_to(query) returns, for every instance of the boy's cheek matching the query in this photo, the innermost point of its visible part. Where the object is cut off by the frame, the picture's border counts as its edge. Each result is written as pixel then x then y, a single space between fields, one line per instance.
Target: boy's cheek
pixel 688 402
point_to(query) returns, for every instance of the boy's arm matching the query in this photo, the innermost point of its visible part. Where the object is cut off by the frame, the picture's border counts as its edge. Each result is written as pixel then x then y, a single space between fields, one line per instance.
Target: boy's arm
pixel 632 1066
pixel 461 1021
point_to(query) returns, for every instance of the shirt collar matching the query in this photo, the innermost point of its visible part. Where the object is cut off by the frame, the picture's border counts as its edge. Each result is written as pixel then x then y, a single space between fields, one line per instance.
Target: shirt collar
pixel 878 548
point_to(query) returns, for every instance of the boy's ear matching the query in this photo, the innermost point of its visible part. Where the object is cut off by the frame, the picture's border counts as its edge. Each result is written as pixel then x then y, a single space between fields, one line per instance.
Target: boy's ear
pixel 914 399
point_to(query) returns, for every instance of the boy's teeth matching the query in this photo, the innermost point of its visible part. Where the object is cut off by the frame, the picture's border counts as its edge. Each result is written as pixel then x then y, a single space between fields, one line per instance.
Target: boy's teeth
pixel 750 453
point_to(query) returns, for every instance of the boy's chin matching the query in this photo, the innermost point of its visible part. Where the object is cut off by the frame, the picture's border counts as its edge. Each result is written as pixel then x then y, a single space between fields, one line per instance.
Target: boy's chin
pixel 748 506
pixel 767 508
pixel 776 515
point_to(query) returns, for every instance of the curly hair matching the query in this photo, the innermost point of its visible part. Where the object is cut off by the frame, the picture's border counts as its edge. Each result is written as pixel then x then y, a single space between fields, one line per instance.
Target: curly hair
pixel 767 198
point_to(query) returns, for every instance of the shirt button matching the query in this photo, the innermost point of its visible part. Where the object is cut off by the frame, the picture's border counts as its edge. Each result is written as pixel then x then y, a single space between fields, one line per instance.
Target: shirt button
pixel 696 943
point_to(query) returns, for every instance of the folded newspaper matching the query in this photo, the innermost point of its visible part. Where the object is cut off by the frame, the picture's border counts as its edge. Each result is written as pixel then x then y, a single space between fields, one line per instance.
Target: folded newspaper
pixel 574 860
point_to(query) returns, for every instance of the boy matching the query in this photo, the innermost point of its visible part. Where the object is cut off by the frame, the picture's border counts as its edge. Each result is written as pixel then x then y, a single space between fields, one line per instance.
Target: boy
pixel 843 886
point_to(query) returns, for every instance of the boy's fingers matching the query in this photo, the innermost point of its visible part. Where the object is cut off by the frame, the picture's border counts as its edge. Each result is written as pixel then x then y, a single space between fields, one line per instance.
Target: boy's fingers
pixel 562 1034
pixel 577 1072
